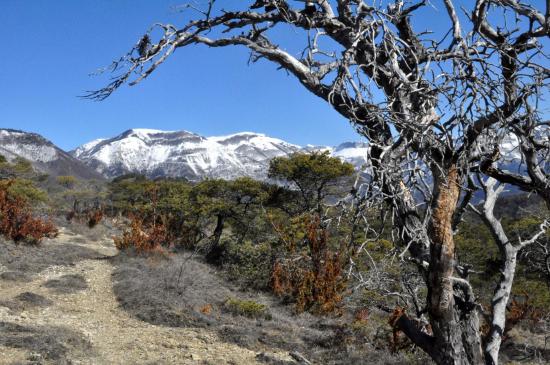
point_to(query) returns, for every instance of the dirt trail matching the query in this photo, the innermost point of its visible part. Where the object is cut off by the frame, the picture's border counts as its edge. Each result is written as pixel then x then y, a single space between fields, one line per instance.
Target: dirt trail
pixel 114 337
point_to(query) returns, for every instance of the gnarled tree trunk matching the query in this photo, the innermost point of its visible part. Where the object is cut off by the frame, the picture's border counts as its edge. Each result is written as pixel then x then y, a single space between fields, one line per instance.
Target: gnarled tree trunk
pixel 215 251
pixel 454 321
pixel 499 303
pixel 508 255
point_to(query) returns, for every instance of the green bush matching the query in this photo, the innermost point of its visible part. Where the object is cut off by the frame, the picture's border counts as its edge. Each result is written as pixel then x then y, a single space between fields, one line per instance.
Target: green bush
pixel 248 264
pixel 538 292
pixel 27 190
pixel 67 181
pixel 22 166
pixel 247 308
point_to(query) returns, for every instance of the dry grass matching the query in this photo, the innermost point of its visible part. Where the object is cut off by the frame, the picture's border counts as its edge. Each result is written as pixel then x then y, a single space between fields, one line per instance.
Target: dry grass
pixel 101 230
pixel 52 344
pixel 175 290
pixel 21 262
pixel 26 301
pixel 67 284
pixel 15 276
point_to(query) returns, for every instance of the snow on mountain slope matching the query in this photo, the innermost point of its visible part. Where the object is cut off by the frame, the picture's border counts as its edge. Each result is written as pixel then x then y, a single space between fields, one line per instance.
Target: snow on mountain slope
pixel 157 153
pixel 27 145
pixel 183 154
pixel 43 154
pixel 87 146
pixel 355 153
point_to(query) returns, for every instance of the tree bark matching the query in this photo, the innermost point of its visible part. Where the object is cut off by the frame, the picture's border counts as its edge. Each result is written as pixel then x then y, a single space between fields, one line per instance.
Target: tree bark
pixel 412 229
pixel 455 322
pixel 215 252
pixel 503 290
pixel 498 303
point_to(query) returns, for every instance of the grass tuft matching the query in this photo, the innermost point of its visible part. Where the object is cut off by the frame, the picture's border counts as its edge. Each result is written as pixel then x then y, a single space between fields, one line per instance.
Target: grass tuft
pixel 247 308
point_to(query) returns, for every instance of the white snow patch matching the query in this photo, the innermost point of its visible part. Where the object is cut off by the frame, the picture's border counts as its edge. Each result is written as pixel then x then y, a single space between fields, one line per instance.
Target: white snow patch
pixel 32 152
pixel 227 156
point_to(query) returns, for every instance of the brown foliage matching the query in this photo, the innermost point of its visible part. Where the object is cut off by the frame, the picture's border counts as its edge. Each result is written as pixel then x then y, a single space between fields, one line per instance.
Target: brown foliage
pixel 16 219
pixel 94 217
pixel 142 237
pixel 361 316
pixel 521 309
pixel 314 280
pixel 70 216
pixel 91 215
pixel 398 340
pixel 206 309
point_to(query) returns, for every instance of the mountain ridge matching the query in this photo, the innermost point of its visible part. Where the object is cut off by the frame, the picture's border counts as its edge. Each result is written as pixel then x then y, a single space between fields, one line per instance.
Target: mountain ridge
pixel 44 155
pixel 176 154
pixel 157 153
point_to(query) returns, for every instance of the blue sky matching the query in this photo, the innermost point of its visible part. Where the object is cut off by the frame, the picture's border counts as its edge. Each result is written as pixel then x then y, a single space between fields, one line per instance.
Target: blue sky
pixel 49 48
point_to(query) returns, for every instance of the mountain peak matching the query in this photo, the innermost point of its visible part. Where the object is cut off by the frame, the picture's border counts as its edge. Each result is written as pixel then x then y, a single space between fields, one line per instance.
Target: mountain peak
pixel 183 154
pixel 157 153
pixel 43 154
pixel 148 131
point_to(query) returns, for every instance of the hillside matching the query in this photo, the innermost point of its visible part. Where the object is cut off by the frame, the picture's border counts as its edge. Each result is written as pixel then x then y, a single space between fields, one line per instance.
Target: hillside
pixel 44 155
pixel 156 153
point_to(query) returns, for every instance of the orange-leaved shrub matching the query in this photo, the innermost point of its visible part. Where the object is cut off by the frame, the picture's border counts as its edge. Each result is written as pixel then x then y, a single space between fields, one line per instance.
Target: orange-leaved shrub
pixel 398 340
pixel 143 237
pixel 91 215
pixel 94 217
pixel 521 309
pixel 314 280
pixel 17 221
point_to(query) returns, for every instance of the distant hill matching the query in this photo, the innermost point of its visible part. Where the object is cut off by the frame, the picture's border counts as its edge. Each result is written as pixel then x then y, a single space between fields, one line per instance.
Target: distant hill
pixel 44 155
pixel 156 153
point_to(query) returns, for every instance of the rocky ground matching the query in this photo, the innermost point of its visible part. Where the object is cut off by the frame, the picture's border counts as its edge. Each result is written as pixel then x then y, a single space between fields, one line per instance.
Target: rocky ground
pixel 76 300
pixel 61 309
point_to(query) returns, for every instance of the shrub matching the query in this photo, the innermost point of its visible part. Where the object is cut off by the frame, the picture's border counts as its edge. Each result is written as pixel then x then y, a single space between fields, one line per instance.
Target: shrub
pixel 247 308
pixel 22 166
pixel 399 340
pixel 86 212
pixel 142 237
pixel 361 316
pixel 522 308
pixel 248 264
pixel 206 309
pixel 16 220
pixel 314 280
pixel 26 190
pixel 94 217
pixel 67 181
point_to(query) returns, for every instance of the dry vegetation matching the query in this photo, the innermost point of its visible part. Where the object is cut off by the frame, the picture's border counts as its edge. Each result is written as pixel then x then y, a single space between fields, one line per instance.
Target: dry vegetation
pixel 316 282
pixel 16 218
pixel 182 291
pixel 143 237
pixel 280 282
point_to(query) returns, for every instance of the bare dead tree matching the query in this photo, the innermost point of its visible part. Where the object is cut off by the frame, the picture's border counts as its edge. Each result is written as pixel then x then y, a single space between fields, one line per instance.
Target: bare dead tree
pixel 537 258
pixel 509 250
pixel 435 105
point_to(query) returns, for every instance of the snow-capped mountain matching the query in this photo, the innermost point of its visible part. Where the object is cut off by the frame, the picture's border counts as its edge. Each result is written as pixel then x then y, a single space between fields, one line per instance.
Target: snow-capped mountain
pixel 43 154
pixel 352 152
pixel 183 154
pixel 158 153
